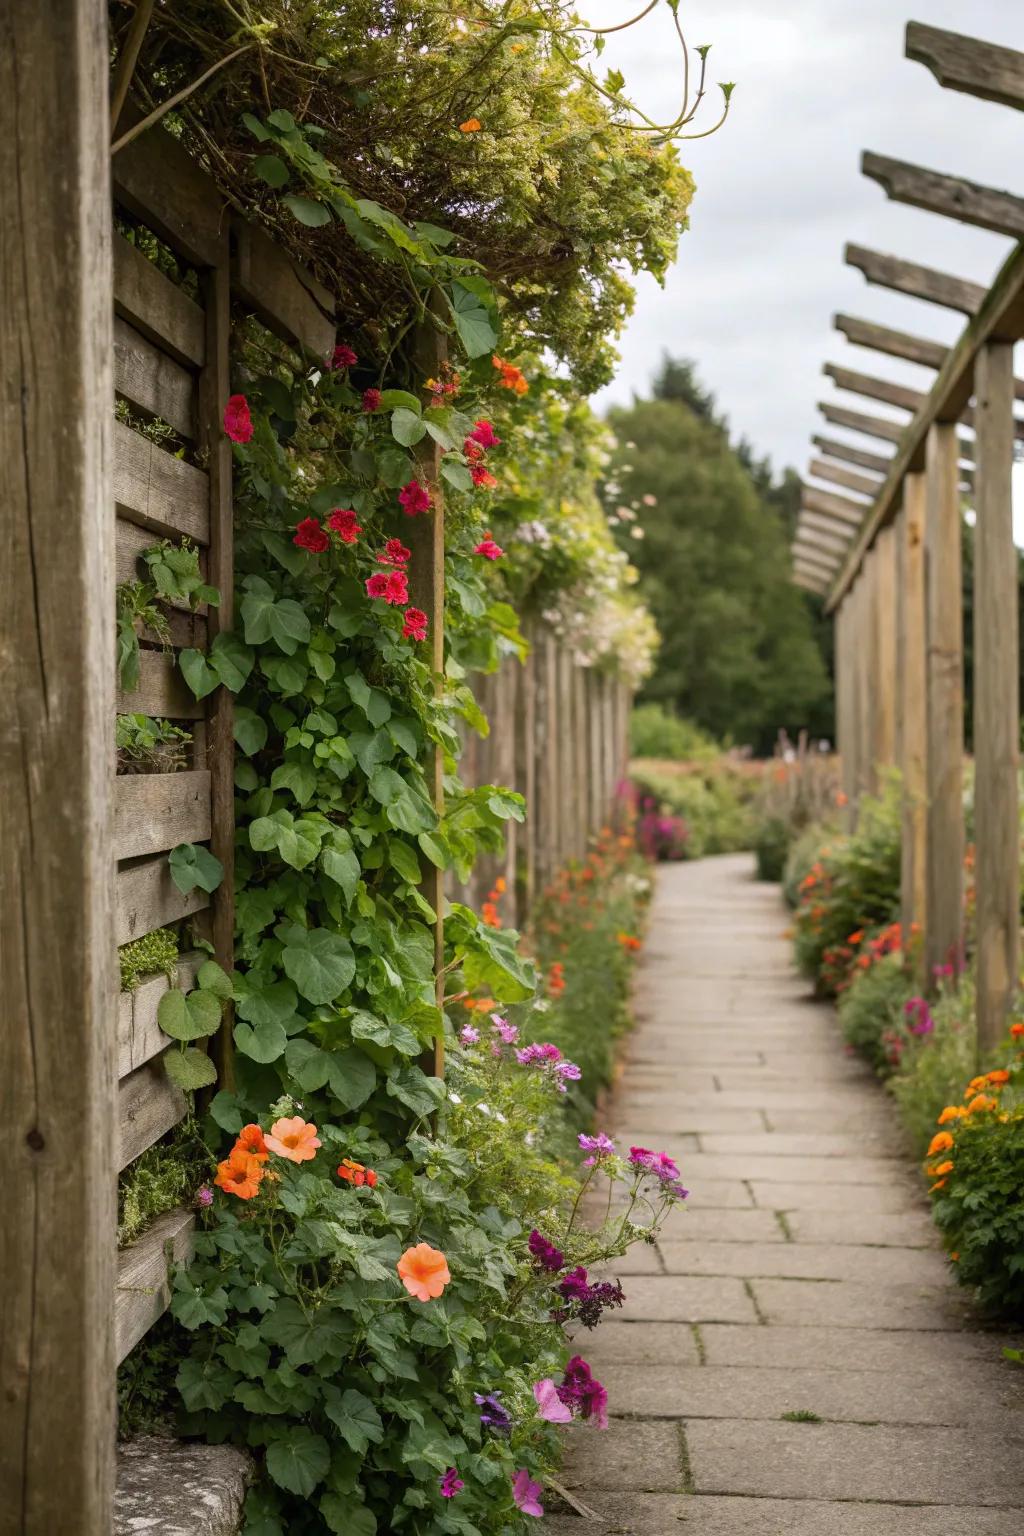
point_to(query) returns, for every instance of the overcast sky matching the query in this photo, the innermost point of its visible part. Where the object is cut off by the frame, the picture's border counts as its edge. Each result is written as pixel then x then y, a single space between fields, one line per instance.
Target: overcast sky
pixel 779 191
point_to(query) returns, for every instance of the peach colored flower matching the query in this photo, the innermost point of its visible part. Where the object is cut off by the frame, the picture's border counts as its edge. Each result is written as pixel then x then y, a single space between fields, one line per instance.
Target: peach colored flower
pixel 250 1139
pixel 293 1139
pixel 424 1271
pixel 240 1174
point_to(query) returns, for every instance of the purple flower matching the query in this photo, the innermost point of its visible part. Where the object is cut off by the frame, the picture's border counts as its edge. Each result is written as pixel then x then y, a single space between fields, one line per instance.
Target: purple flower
pixel 468 1035
pixel 917 1010
pixel 508 1032
pixel 544 1253
pixel 549 1402
pixel 574 1286
pixel 600 1145
pixel 658 1164
pixel 582 1394
pixel 538 1055
pixel 493 1415
pixel 526 1494
pixel 568 1071
pixel 585 1302
pixel 204 1195
pixel 451 1483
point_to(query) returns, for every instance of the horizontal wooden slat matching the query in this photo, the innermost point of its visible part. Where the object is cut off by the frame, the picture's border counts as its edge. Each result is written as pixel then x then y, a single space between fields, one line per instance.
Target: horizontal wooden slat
pixel 953 196
pixel 811 583
pixel 885 390
pixel 823 469
pixel 831 504
pixel 148 1106
pixel 131 542
pixel 158 491
pixel 916 281
pixel 858 421
pixel 967 64
pixel 154 812
pixel 881 338
pixel 1000 318
pixel 284 296
pixel 152 381
pixel 147 898
pixel 161 691
pixel 837 535
pixel 143 1292
pixel 851 454
pixel 156 307
pixel 159 182
pixel 139 1036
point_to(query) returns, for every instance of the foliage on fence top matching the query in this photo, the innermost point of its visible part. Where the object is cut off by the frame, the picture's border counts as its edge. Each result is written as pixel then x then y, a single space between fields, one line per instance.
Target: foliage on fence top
pixel 487 120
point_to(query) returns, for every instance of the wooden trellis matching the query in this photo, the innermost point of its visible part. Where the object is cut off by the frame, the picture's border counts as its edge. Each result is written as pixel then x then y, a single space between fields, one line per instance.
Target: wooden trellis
pixel 887 552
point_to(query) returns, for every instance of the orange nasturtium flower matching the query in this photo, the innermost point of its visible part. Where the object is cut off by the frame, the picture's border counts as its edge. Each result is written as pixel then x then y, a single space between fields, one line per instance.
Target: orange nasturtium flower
pixel 240 1174
pixel 999 1076
pixel 356 1173
pixel 1016 1030
pixel 942 1141
pixel 250 1139
pixel 424 1271
pixel 981 1103
pixel 294 1139
pixel 951 1112
pixel 471 125
pixel 943 1168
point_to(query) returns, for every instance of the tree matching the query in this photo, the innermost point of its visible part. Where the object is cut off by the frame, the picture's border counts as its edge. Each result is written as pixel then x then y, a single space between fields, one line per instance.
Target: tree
pixel 707 526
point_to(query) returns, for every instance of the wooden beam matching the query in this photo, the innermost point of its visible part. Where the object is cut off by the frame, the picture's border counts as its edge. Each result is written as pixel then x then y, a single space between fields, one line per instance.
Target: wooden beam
pixel 842 508
pixel 1000 318
pixel 914 349
pixel 812 583
pixel 916 281
pixel 953 196
pixel 822 534
pixel 884 691
pixel 945 693
pixel 879 463
pixel 857 421
pixel 967 64
pixel 875 389
pixel 143 1275
pixel 822 469
pixel 996 704
pixel 911 667
pixel 812 554
pixel 58 1086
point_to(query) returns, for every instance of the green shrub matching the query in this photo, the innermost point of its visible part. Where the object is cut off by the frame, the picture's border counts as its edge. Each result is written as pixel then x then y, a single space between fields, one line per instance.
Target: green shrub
pixel 657 732
pixel 802 856
pixel 935 1067
pixel 980 1208
pixel 797 791
pixel 713 799
pixel 166 1175
pixel 871 1011
pixel 771 848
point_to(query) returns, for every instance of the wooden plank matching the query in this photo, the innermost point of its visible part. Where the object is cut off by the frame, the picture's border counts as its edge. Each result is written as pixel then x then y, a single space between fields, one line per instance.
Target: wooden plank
pixel 158 491
pixel 148 1106
pixel 283 295
pixel 818 531
pixel 1000 318
pixel 57 1059
pixel 808 582
pixel 863 485
pixel 159 182
pixel 155 811
pixel 916 281
pixel 912 673
pixel 157 308
pixel 881 338
pixel 152 381
pixel 875 389
pixel 147 898
pixel 996 701
pixel 816 559
pixel 805 568
pixel 842 687
pixel 143 1270
pixel 879 463
pixel 139 1036
pixel 952 196
pixel 526 777
pixel 967 64
pixel 885 673
pixel 162 690
pixel 857 421
pixel 829 504
pixel 945 844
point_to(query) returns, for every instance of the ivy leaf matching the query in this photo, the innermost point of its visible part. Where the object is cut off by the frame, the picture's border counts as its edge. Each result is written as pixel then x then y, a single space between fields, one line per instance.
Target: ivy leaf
pixel 407 427
pixel 394 469
pixel 320 963
pixel 457 474
pixel 312 214
pixel 266 1002
pixel 212 978
pixel 346 1519
pixel 412 813
pixel 434 849
pixel 355 1416
pixel 299 1460
pixel 197 672
pixel 189 1069
pixel 297 776
pixel 405 861
pixel 191 865
pixel 191 1017
pixel 264 1043
pixel 271 169
pixel 340 863
pixel 412 1087
pixel 282 621
pixel 231 659
pixel 250 730
pixel 352 1077
pixel 472 322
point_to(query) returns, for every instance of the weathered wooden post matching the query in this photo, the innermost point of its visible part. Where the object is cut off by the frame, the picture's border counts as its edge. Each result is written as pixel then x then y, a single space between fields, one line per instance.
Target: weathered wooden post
pixel 58 1077
pixel 996 705
pixel 884 689
pixel 945 696
pixel 913 703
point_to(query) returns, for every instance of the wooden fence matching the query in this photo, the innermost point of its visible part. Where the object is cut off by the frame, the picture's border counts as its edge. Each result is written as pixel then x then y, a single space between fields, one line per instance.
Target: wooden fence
pixel 889 558
pixel 85 869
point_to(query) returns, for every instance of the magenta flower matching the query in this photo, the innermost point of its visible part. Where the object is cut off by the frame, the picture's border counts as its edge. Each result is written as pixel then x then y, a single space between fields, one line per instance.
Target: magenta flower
pixel 508 1032
pixel 451 1483
pixel 545 1253
pixel 600 1145
pixel 526 1494
pixel 583 1394
pixel 204 1195
pixel 538 1055
pixel 468 1035
pixel 549 1404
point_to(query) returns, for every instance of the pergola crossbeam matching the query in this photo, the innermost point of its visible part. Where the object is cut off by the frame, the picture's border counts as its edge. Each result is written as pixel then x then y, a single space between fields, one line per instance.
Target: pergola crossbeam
pixel 851 454
pixel 864 485
pixel 916 281
pixel 859 421
pixel 967 64
pixel 874 389
pixel 952 196
pixel 913 349
pixel 838 534
pixel 829 504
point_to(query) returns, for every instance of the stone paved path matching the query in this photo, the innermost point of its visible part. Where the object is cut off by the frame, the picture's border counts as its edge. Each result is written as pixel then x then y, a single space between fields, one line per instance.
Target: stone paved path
pixel 803 1277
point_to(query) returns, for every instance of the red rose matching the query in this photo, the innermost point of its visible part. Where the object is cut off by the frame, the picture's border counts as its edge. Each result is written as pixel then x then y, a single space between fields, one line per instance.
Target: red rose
pixel 377 585
pixel 344 523
pixel 394 553
pixel 415 626
pixel 414 498
pixel 309 535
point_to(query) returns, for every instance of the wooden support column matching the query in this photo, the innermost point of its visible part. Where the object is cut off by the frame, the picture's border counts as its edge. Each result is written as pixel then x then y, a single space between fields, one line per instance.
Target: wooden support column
pixel 884 701
pixel 945 694
pixel 526 780
pixel 58 1076
pixel 912 670
pixel 996 706
pixel 869 675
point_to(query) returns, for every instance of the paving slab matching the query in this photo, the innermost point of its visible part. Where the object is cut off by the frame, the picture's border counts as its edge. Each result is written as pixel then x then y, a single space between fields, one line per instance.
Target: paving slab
pixel 699 1515
pixel 616 1342
pixel 830 1171
pixel 894 1464
pixel 628 1454
pixel 854 1349
pixel 805 1261
pixel 855 1304
pixel 875 1199
pixel 688 1299
pixel 911 1229
pixel 783 1144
